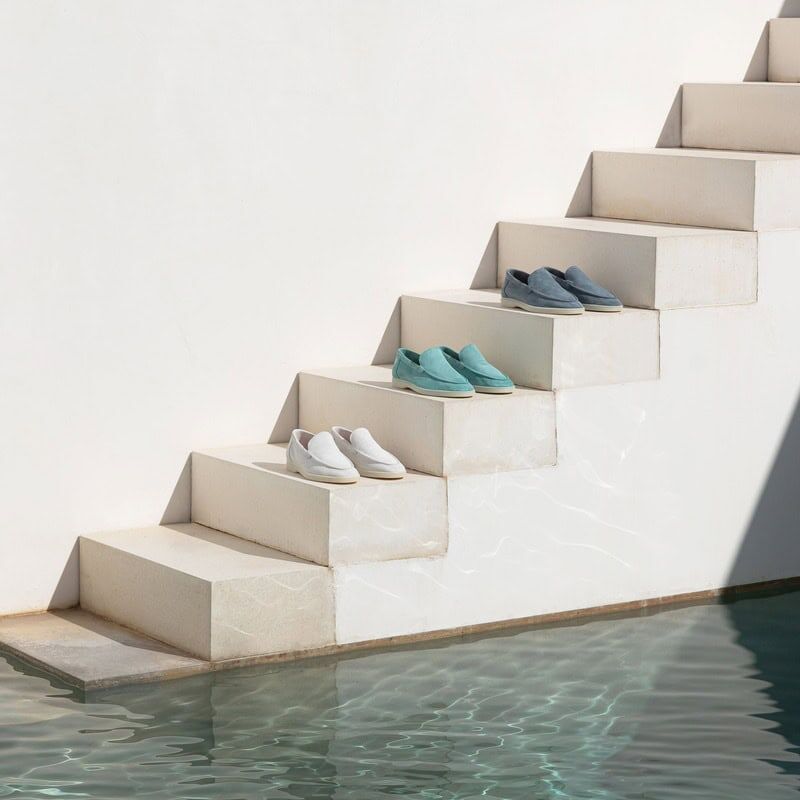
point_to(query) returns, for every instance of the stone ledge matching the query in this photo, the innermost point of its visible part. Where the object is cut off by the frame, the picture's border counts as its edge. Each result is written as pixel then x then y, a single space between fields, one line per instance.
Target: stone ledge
pixel 91 653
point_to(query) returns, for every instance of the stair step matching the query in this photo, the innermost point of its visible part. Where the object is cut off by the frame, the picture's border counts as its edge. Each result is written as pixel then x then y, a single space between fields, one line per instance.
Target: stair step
pixel 545 351
pixel 783 62
pixel 742 116
pixel 247 492
pixel 213 595
pixel 707 188
pixel 646 265
pixel 90 652
pixel 438 436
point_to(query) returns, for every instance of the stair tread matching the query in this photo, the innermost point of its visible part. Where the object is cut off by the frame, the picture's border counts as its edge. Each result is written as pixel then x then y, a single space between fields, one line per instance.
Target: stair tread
pixel 91 652
pixel 271 458
pixel 201 552
pixel 490 298
pixel 379 376
pixel 699 152
pixel 629 227
pixel 742 83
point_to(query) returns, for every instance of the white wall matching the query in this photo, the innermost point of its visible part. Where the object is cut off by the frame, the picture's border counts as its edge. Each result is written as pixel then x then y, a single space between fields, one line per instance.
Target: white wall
pixel 198 199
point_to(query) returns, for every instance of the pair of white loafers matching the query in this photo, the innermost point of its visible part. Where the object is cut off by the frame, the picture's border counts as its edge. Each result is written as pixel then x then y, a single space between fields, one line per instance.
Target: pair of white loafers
pixel 340 456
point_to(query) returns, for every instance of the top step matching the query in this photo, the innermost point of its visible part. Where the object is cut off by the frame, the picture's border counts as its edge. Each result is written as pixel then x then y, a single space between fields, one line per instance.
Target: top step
pixel 783 63
pixel 705 188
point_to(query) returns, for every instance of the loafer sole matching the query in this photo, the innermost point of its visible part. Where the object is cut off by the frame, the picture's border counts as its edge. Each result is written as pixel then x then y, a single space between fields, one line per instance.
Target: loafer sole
pixel 383 476
pixel 592 307
pixel 320 478
pixel 509 303
pixel 401 384
pixel 494 389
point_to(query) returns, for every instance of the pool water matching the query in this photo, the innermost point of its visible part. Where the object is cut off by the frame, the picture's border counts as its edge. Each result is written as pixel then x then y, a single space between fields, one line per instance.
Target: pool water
pixel 694 702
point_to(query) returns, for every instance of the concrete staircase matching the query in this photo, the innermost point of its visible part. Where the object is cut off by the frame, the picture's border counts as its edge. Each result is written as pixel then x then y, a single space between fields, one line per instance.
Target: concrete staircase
pixel 255 571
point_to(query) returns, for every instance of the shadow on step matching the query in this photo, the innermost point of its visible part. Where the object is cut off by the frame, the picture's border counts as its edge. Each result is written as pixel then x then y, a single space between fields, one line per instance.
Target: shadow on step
pixel 110 630
pixel 485 303
pixel 378 384
pixel 272 466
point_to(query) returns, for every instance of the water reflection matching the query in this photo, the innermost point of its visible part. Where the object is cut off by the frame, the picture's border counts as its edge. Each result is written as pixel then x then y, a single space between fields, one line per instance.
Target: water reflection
pixel 690 703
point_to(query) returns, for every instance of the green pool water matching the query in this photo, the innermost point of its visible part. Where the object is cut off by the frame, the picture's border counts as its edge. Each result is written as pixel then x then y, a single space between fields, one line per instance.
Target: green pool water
pixel 696 702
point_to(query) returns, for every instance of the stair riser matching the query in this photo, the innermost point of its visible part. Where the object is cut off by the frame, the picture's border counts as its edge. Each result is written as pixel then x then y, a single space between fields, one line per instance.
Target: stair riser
pixel 734 193
pixel 211 620
pixel 370 521
pixel 643 271
pixel 784 50
pixel 746 116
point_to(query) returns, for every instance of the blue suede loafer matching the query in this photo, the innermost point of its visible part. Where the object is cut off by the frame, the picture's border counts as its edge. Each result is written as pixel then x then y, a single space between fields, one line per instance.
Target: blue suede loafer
pixel 471 364
pixel 539 292
pixel 428 373
pixel 592 296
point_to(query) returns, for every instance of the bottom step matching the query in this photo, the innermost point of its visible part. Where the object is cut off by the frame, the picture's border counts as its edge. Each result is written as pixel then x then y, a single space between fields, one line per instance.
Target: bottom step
pixel 92 653
pixel 211 594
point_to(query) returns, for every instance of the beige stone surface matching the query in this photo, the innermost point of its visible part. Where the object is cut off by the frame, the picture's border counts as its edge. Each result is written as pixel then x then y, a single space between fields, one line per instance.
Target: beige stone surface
pixel 545 351
pixel 438 436
pixel 213 595
pixel 783 63
pixel 89 652
pixel 707 188
pixel 247 491
pixel 646 265
pixel 742 116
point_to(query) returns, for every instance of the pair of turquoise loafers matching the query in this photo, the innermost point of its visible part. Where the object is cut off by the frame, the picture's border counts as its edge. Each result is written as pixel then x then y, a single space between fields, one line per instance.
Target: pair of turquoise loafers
pixel 443 372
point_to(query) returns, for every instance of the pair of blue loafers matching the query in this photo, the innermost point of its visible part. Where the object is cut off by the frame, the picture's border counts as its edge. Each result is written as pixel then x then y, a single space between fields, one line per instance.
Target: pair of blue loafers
pixel 551 291
pixel 443 372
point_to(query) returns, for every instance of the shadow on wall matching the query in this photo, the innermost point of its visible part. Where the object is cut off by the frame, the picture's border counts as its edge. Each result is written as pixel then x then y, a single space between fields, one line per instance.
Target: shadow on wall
pixel 774 528
pixel 790 8
pixel 775 524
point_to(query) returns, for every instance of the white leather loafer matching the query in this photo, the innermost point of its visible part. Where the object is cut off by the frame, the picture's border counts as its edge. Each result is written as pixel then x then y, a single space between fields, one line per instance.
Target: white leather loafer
pixel 369 458
pixel 317 458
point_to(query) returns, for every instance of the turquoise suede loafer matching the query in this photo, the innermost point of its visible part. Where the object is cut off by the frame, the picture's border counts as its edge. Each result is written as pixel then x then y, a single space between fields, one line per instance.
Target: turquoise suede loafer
pixel 428 373
pixel 470 364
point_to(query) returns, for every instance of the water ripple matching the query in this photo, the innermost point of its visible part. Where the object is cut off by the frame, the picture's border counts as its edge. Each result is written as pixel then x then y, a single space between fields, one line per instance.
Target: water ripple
pixel 699 702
